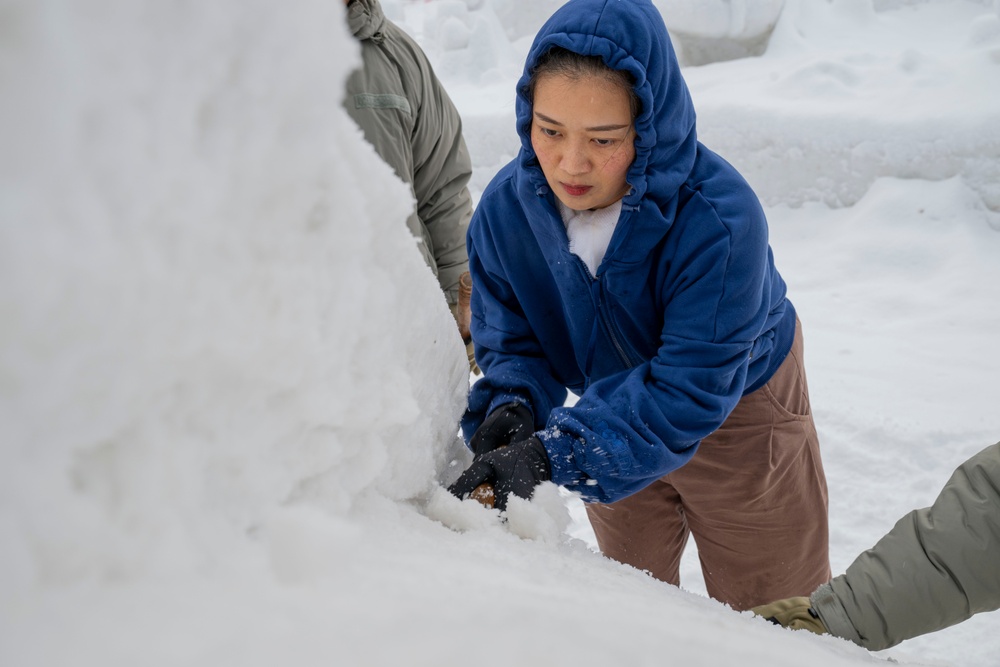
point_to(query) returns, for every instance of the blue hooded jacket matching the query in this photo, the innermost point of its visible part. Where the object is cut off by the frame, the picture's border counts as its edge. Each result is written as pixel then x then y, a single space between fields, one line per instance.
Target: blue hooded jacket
pixel 686 313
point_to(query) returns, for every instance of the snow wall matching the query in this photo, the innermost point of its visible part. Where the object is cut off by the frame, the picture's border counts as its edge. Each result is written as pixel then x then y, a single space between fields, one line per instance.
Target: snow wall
pixel 210 306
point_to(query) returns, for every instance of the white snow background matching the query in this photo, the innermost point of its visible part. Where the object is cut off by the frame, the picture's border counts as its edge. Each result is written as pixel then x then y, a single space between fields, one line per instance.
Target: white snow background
pixel 229 387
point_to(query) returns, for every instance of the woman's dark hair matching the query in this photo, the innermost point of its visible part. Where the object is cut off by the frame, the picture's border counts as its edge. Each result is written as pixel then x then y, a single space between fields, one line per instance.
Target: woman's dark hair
pixel 564 62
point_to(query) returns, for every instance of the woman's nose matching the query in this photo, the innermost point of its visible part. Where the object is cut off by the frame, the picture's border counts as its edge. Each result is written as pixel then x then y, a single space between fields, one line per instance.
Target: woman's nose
pixel 575 160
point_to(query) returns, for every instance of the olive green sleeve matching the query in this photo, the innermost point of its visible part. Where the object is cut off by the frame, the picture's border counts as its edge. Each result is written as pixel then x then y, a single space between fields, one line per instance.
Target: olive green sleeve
pixel 937 567
pixel 442 168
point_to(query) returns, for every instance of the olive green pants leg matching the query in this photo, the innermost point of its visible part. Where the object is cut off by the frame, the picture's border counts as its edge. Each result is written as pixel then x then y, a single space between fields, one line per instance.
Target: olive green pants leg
pixel 754 496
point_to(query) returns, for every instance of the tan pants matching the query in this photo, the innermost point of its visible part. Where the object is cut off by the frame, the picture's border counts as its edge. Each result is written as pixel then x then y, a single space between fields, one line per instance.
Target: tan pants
pixel 754 496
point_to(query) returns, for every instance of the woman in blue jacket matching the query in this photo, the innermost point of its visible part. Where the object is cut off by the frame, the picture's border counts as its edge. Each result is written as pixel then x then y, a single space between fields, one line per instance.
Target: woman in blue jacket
pixel 620 259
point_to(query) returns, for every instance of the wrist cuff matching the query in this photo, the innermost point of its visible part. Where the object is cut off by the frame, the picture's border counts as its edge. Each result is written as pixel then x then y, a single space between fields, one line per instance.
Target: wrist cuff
pixel 831 611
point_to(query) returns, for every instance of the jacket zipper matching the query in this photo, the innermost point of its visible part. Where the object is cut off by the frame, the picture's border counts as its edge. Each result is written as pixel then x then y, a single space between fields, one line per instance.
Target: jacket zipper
pixel 604 315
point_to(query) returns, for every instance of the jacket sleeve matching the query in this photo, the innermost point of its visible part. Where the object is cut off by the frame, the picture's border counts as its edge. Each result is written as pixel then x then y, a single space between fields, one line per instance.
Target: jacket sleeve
pixel 441 171
pixel 631 428
pixel 937 567
pixel 407 116
pixel 514 365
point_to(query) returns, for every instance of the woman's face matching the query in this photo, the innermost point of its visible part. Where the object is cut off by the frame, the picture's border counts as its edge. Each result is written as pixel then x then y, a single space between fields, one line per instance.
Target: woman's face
pixel 582 133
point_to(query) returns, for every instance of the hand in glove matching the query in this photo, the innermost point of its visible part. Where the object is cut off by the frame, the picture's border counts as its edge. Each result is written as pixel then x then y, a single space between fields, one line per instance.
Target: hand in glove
pixel 508 423
pixel 792 613
pixel 462 312
pixel 516 469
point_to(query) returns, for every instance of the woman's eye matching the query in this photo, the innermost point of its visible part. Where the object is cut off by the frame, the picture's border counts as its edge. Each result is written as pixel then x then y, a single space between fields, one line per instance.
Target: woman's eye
pixel 548 132
pixel 604 142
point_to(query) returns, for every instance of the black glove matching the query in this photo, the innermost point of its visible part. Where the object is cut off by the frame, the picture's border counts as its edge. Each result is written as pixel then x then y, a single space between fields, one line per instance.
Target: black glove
pixel 511 422
pixel 517 468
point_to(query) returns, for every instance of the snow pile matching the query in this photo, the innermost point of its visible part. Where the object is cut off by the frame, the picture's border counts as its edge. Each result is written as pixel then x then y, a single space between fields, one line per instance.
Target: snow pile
pixel 208 312
pixel 705 32
pixel 733 19
pixel 846 95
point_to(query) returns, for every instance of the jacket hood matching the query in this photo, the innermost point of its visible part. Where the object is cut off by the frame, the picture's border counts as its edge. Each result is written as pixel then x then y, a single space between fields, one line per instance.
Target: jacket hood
pixel 365 18
pixel 628 35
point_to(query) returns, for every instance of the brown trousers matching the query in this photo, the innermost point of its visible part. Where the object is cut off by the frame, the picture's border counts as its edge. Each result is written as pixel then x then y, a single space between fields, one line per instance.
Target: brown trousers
pixel 754 496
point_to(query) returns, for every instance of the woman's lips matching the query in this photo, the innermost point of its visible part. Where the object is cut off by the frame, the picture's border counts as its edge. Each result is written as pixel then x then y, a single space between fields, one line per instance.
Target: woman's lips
pixel 576 190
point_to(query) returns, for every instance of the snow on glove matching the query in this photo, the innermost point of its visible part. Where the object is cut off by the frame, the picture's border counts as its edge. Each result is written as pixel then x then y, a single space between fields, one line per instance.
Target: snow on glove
pixel 792 613
pixel 511 422
pixel 516 469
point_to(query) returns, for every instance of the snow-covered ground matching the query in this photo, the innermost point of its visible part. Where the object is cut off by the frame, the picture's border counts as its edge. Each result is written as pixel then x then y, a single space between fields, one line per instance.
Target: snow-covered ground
pixel 229 388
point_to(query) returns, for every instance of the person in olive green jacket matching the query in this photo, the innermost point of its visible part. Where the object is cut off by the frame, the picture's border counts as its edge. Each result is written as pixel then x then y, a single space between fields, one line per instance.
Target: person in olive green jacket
pixel 406 114
pixel 937 567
